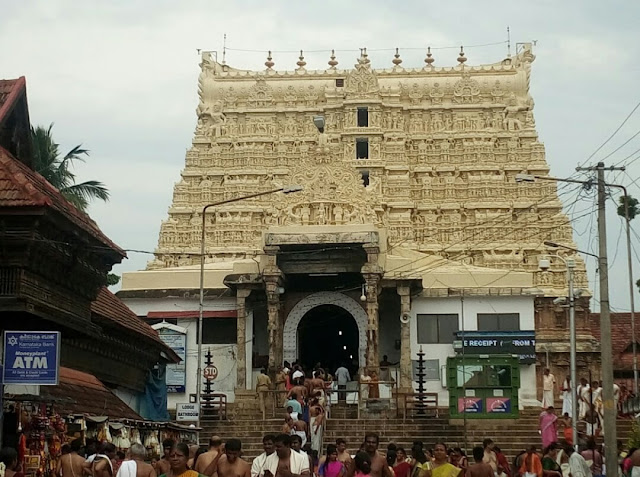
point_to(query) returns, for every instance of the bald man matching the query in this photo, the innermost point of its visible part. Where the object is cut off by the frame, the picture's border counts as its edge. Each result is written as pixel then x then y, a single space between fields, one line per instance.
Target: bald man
pixel 215 449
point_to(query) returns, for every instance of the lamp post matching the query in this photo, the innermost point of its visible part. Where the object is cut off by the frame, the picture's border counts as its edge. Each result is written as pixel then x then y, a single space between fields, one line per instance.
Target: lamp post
pixel 531 178
pixel 285 190
pixel 606 354
pixel 571 265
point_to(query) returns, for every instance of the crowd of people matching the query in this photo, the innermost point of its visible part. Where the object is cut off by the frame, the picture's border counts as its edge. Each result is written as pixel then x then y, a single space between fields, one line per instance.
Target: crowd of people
pixel 284 456
pixel 590 408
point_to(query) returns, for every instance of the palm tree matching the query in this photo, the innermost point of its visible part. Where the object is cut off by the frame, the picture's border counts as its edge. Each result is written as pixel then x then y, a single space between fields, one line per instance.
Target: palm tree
pixel 57 170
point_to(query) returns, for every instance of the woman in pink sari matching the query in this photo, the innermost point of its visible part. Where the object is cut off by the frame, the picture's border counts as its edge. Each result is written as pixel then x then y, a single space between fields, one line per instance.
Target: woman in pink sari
pixel 548 427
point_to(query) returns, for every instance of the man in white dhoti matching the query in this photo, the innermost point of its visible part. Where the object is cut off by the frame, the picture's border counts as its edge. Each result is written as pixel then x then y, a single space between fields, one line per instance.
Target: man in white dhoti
pixel 616 398
pixel 548 385
pixel 567 396
pixel 584 398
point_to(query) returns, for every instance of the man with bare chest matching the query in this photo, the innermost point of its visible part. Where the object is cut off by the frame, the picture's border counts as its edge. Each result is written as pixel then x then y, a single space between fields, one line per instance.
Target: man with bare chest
pixel 72 464
pixel 162 466
pixel 343 453
pixel 379 467
pixel 284 462
pixel 215 443
pixel 230 464
pixel 479 468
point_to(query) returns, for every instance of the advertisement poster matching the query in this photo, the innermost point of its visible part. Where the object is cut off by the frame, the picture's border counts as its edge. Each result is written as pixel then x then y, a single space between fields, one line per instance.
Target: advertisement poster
pixel 31 357
pixel 470 405
pixel 176 373
pixel 498 405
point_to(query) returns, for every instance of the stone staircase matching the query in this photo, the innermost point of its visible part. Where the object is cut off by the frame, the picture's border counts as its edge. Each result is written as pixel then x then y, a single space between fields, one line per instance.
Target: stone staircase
pixel 511 435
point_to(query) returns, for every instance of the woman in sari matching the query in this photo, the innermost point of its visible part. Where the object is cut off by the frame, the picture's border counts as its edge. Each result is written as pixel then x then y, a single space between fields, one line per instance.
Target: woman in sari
pixel 550 466
pixel 441 467
pixel 178 459
pixel 548 427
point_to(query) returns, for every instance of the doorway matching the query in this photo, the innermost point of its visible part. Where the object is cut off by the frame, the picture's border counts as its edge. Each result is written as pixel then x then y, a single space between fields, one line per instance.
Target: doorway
pixel 328 334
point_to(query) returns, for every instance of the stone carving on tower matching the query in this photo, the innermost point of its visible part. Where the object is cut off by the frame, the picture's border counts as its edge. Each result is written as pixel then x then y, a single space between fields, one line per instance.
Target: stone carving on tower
pixel 439 151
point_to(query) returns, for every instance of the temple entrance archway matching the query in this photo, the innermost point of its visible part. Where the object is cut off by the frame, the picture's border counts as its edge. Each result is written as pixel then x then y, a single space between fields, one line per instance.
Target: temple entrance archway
pixel 333 310
pixel 328 334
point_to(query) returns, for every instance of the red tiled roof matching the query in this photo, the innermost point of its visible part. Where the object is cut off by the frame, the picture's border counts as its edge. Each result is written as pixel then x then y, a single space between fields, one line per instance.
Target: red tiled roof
pixel 82 393
pixel 621 337
pixel 23 187
pixel 10 91
pixel 112 308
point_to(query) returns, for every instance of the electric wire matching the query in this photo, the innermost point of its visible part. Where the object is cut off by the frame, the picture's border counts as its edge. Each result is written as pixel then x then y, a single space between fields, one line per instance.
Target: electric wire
pixel 612 135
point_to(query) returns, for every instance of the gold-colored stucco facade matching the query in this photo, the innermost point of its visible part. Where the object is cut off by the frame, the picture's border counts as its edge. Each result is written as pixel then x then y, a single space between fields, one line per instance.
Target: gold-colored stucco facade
pixel 443 147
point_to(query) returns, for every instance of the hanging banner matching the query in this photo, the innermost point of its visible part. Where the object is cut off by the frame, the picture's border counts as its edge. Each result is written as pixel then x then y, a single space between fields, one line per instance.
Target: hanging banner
pixel 176 373
pixel 31 357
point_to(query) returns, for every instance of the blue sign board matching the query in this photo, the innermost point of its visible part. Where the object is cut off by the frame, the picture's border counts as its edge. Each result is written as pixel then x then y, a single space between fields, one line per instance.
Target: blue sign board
pixel 31 357
pixel 521 343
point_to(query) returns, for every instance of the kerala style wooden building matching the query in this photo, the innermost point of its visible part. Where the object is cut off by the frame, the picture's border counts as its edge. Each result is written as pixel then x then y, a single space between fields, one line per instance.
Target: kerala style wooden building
pixel 54 262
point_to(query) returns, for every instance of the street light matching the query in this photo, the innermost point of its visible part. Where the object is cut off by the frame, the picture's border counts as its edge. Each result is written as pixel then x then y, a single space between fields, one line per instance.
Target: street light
pixel 571 265
pixel 610 413
pixel 285 190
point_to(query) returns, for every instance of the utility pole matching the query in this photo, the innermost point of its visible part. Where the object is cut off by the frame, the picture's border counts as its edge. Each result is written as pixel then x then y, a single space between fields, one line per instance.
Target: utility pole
pixel 606 355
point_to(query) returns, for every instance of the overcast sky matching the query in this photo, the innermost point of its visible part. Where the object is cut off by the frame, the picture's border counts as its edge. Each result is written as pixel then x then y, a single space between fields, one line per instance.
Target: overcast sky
pixel 120 77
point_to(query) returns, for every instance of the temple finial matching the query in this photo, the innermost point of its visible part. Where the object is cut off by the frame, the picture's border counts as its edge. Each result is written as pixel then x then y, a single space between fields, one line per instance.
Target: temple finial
pixel 332 62
pixel 269 63
pixel 429 59
pixel 461 57
pixel 301 61
pixel 396 59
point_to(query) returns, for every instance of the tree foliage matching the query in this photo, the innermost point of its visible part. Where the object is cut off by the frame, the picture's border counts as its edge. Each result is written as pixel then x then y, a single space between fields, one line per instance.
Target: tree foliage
pixel 56 168
pixel 634 209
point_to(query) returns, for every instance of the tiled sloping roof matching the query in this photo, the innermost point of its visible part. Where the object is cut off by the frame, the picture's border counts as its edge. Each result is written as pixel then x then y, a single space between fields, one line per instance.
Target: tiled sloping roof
pixel 82 393
pixel 10 90
pixel 109 306
pixel 620 336
pixel 23 187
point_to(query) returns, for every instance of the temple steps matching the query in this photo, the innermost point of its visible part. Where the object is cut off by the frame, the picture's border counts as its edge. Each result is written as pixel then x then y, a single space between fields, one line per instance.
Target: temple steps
pixel 512 435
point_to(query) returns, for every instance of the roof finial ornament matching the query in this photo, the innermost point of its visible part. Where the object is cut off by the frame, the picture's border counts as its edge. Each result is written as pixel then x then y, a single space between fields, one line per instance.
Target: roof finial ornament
pixel 396 59
pixel 301 61
pixel 366 57
pixel 429 59
pixel 269 63
pixel 332 62
pixel 461 57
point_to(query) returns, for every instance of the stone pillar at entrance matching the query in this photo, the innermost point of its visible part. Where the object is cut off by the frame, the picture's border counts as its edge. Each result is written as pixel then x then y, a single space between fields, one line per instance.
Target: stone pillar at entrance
pixel 241 299
pixel 406 371
pixel 372 273
pixel 273 281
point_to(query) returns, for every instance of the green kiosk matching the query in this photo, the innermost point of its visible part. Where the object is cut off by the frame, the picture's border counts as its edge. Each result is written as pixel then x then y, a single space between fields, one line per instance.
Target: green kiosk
pixel 483 379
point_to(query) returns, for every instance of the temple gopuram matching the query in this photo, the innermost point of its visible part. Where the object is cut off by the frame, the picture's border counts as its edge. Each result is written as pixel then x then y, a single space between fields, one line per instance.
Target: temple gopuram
pixel 410 228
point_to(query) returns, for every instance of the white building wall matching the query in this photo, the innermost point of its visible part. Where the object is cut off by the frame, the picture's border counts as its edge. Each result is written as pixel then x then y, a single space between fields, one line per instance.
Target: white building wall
pixel 469 308
pixel 224 355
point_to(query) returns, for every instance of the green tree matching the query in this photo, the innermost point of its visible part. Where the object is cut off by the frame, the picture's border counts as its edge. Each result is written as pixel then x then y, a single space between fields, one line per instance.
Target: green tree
pixel 633 207
pixel 48 161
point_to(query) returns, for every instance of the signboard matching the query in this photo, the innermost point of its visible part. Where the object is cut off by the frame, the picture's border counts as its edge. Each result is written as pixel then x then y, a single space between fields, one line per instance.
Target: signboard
pixel 520 343
pixel 187 412
pixel 499 405
pixel 210 372
pixel 31 357
pixel 470 405
pixel 176 373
